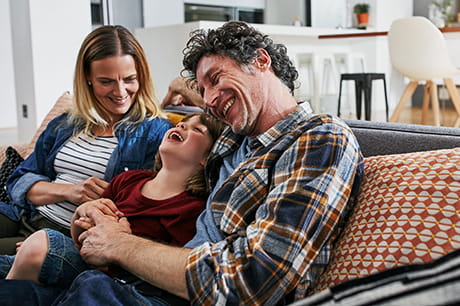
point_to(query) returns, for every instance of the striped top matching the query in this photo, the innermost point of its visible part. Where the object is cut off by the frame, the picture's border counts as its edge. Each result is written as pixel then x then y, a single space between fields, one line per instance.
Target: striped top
pixel 79 159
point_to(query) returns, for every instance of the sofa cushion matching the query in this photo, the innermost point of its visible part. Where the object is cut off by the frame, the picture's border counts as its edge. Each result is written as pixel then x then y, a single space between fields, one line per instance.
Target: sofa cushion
pixel 12 160
pixel 407 212
pixel 63 103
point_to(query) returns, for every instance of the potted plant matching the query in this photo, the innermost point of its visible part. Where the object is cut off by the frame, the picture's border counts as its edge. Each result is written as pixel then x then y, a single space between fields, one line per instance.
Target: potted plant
pixel 444 8
pixel 362 13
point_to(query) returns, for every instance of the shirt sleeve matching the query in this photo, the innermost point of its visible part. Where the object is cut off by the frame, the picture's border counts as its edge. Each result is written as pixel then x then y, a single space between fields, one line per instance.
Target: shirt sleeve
pixel 274 244
pixel 34 168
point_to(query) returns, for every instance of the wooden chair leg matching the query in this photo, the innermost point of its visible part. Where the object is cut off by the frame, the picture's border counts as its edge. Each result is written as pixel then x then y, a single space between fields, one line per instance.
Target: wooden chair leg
pixel 455 97
pixel 457 122
pixel 407 94
pixel 435 103
pixel 426 101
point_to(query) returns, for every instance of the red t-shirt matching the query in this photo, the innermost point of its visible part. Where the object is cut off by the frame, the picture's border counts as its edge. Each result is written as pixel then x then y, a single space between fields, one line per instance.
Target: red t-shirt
pixel 171 220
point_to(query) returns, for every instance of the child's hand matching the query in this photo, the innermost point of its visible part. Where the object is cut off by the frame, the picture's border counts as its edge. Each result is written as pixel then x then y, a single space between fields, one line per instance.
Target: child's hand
pixel 18 245
pixel 86 223
pixel 105 206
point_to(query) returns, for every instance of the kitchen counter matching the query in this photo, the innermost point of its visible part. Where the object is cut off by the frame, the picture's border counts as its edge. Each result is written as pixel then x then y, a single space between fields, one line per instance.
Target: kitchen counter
pixel 164 45
pixel 381 33
pixel 286 30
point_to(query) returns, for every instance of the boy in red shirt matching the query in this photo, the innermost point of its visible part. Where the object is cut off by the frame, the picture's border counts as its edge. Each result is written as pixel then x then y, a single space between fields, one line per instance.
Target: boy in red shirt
pixel 161 205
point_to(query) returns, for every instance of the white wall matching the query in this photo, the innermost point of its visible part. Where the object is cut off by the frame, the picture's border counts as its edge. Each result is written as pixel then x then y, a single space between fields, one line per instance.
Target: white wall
pixel 383 12
pixel 46 38
pixel 284 12
pixel 8 100
pixel 160 12
pixel 389 10
pixel 329 13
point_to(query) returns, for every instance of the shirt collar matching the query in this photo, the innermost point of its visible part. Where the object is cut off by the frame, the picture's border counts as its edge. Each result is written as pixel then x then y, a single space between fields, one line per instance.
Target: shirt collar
pixel 300 113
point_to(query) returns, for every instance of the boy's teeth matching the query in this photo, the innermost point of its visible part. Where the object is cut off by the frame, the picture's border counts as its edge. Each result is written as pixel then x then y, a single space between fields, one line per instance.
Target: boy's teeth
pixel 176 136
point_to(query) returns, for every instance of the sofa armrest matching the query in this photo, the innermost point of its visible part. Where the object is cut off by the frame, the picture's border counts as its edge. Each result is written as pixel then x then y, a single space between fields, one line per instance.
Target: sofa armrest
pixel 23 149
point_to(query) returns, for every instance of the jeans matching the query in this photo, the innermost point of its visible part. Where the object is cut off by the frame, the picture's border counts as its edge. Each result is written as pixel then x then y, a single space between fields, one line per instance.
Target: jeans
pixel 21 292
pixel 5 264
pixel 62 263
pixel 91 287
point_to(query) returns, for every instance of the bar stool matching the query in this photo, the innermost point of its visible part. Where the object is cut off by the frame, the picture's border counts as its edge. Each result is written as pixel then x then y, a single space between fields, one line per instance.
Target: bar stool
pixel 321 77
pixel 363 84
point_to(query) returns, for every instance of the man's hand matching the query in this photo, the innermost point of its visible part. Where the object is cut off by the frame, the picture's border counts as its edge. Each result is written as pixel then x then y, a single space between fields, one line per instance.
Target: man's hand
pixel 100 243
pixel 82 221
pixel 182 91
pixel 111 242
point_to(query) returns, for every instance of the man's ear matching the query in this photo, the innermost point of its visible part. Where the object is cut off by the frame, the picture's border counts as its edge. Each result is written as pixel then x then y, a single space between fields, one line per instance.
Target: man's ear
pixel 263 61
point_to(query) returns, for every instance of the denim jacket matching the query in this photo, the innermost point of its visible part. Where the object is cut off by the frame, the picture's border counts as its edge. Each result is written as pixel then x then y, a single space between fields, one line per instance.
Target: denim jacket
pixel 136 149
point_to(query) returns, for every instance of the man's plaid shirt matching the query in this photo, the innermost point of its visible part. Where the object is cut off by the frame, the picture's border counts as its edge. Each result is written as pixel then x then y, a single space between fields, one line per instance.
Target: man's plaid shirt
pixel 279 212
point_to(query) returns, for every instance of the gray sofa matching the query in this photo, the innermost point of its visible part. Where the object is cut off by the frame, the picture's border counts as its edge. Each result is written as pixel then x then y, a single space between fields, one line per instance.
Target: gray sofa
pixel 406 213
pixel 381 138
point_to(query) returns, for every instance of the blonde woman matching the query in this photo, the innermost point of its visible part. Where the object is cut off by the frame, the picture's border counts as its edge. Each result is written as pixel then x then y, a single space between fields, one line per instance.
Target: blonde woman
pixel 114 126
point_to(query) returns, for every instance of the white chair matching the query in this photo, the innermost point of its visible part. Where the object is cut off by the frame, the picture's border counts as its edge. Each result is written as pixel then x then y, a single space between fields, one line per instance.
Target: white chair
pixel 418 50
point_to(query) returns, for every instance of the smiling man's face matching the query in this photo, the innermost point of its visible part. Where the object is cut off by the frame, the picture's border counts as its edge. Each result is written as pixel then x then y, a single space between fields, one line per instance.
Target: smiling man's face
pixel 233 94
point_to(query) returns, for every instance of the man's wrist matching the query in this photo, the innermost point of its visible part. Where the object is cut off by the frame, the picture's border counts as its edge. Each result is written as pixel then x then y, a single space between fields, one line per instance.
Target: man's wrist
pixel 126 244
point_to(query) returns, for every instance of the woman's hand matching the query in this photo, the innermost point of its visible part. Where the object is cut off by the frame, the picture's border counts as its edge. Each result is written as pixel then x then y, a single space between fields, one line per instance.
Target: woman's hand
pixel 182 91
pixel 42 192
pixel 87 190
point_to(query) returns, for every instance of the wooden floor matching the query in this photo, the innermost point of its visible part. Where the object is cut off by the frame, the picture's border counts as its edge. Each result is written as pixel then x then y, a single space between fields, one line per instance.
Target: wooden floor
pixel 413 115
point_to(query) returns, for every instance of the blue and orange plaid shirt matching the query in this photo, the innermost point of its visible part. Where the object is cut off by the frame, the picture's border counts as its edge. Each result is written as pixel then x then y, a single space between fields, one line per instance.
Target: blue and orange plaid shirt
pixel 279 212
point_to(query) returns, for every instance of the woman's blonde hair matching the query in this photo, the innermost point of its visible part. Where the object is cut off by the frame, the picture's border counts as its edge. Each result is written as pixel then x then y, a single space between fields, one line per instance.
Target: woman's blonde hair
pixel 196 184
pixel 103 42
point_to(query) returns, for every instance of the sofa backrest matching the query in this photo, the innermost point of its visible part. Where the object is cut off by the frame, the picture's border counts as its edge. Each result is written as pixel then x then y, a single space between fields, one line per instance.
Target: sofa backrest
pixel 382 138
pixel 63 103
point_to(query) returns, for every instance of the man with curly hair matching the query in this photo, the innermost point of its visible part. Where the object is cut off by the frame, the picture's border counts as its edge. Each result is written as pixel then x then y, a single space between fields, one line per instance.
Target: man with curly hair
pixel 282 181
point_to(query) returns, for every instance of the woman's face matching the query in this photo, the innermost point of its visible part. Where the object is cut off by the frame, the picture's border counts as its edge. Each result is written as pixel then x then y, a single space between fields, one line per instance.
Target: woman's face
pixel 115 84
pixel 188 142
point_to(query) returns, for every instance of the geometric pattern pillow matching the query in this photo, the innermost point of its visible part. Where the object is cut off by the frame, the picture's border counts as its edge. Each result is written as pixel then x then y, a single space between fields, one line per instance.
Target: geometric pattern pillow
pixel 407 211
pixel 13 159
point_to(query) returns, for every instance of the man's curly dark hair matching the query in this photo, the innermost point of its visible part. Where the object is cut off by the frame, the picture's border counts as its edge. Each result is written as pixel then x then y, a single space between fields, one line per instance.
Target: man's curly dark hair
pixel 238 41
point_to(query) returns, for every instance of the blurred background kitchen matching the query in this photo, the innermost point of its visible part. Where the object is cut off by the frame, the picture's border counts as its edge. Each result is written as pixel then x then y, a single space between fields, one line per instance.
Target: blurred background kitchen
pixel 40 40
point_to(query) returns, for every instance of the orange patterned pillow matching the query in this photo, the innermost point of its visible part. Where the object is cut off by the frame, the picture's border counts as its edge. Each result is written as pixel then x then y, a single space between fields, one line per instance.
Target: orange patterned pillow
pixel 408 211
